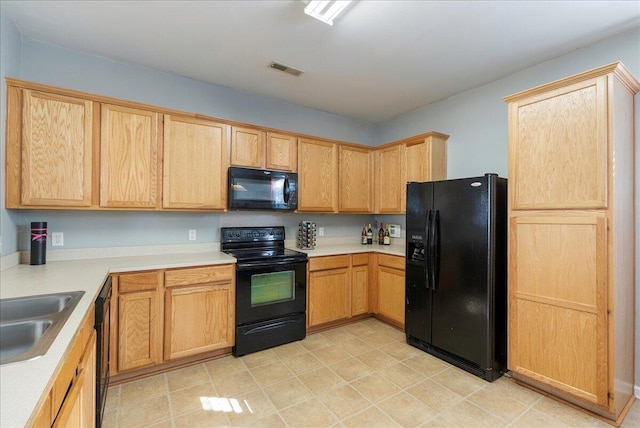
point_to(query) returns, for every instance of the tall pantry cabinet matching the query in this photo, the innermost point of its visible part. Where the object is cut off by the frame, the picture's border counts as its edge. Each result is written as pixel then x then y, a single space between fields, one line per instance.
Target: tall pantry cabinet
pixel 571 238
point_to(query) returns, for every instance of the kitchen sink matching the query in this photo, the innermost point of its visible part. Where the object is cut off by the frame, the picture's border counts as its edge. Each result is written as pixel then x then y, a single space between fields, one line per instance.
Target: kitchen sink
pixel 28 325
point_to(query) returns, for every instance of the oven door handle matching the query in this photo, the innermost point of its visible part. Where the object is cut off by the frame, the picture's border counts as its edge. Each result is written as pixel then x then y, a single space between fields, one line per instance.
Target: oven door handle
pixel 263 264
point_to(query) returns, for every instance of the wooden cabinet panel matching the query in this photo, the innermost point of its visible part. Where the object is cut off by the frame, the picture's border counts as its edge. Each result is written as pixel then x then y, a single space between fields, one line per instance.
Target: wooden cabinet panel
pixel 329 296
pixel 56 150
pixel 247 147
pixel 561 140
pixel 330 262
pixel 558 305
pixel 571 233
pixel 139 330
pixel 390 179
pixel 203 275
pixel 356 179
pixel 132 282
pixel 427 159
pixel 391 293
pixel 129 161
pixel 317 176
pixel 198 319
pixel 196 160
pixel 359 290
pixel 282 152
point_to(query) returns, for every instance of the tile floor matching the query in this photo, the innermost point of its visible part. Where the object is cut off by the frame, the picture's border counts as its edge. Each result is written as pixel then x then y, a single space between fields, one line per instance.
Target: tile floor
pixel 359 375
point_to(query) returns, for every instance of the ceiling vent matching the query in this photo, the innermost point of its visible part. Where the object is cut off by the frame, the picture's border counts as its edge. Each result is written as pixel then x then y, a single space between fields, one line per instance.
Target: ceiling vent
pixel 286 69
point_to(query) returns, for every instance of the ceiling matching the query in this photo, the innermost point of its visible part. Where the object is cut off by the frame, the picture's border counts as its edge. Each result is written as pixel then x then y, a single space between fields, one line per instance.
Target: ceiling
pixel 379 60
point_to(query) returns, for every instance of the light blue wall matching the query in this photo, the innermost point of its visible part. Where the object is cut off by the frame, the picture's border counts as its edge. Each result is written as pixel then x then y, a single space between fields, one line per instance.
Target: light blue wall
pixel 10 63
pixel 53 65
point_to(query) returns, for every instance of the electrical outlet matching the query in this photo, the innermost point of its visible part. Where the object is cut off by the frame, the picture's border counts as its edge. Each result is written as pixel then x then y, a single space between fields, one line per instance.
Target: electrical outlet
pixel 321 231
pixel 192 234
pixel 57 239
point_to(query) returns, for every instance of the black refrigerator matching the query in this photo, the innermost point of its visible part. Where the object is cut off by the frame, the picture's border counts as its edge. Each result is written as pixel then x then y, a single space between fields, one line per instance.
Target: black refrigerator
pixel 456 272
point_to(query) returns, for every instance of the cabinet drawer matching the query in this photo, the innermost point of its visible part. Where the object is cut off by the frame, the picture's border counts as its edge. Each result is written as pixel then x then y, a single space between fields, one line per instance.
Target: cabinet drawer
pixel 391 261
pixel 198 275
pixel 332 262
pixel 131 282
pixel 360 259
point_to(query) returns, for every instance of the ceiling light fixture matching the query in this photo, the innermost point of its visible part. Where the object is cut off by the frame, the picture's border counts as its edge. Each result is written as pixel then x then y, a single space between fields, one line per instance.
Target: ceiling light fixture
pixel 326 10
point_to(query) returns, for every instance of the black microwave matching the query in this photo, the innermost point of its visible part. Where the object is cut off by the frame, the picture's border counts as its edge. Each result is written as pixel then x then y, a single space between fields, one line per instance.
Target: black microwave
pixel 262 189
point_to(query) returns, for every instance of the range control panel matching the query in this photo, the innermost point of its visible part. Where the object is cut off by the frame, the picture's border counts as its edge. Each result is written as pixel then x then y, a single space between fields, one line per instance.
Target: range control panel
pixel 252 234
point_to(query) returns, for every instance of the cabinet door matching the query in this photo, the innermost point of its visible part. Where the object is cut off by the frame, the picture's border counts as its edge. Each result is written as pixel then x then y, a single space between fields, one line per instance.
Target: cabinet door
pixel 356 179
pixel 558 303
pixel 78 408
pixel 359 290
pixel 317 176
pixel 56 150
pixel 282 152
pixel 390 179
pixel 198 319
pixel 247 147
pixel 138 330
pixel 129 158
pixel 427 159
pixel 329 296
pixel 196 160
pixel 391 293
pixel 558 148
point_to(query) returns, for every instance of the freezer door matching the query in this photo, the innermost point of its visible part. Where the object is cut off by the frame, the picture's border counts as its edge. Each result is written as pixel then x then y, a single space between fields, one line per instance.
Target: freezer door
pixel 461 294
pixel 418 298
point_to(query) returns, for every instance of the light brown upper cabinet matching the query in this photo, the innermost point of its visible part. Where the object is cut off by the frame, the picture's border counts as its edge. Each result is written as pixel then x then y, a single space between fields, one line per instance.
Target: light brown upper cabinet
pixel 571 239
pixel 282 152
pixel 196 154
pixel 420 158
pixel 130 158
pixel 247 147
pixel 356 179
pixel 317 175
pixel 49 149
pixel 390 179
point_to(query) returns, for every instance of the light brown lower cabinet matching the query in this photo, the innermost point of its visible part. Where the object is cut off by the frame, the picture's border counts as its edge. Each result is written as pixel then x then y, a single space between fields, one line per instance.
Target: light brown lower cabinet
pixel 328 289
pixel 390 284
pixel 165 315
pixel 360 284
pixel 199 311
pixel 71 400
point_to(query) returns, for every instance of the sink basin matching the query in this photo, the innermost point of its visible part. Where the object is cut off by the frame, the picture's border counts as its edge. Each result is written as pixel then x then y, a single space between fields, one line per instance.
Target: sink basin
pixel 19 337
pixel 29 307
pixel 29 325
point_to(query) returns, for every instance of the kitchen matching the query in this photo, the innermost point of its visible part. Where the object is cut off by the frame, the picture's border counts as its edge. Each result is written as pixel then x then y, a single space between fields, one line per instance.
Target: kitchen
pixel 463 117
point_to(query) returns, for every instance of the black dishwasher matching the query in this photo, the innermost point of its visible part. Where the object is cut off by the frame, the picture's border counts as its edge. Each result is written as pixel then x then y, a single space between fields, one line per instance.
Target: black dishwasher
pixel 102 326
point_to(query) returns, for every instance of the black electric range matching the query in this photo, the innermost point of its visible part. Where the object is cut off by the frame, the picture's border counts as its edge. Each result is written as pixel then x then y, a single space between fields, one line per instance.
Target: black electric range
pixel 271 288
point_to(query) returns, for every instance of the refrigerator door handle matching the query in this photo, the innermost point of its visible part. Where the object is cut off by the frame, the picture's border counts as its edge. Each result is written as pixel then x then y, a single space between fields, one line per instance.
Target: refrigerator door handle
pixel 427 259
pixel 435 263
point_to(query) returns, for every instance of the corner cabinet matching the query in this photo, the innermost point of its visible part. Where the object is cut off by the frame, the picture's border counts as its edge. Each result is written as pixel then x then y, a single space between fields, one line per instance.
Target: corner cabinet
pixel 571 239
pixel 317 176
pixel 196 160
pixel 419 158
pixel 50 150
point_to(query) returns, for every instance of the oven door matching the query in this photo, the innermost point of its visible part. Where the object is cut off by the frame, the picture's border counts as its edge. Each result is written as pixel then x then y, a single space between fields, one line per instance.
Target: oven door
pixel 267 290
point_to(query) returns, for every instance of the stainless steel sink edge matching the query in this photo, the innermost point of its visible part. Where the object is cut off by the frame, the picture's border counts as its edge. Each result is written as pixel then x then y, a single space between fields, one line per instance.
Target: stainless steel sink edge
pixel 37 346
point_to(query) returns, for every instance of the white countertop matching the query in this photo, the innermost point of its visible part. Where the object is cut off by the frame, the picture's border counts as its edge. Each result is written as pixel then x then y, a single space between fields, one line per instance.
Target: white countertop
pixel 23 384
